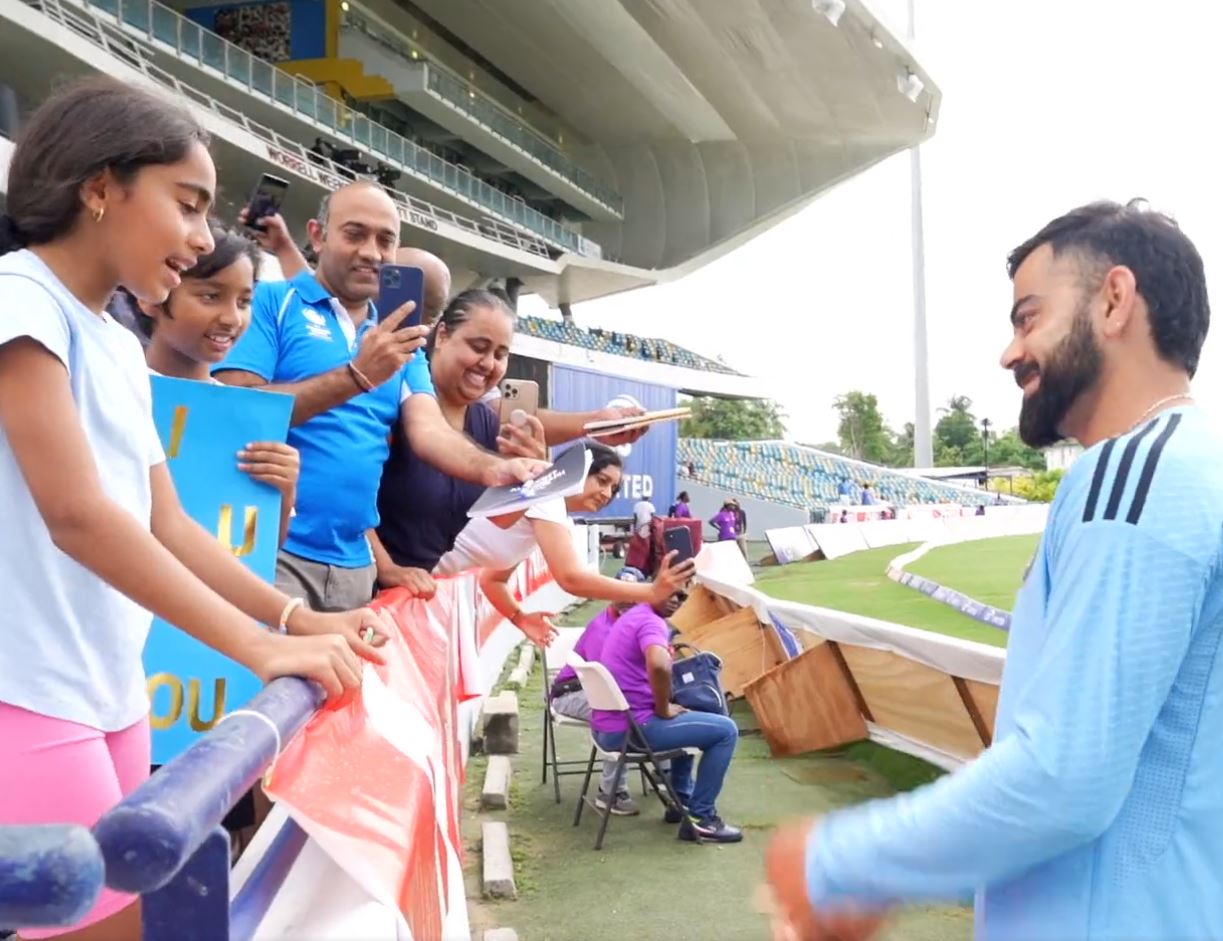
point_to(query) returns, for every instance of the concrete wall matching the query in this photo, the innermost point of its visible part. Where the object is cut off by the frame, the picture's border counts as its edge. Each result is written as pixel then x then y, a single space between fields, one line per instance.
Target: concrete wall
pixel 706 501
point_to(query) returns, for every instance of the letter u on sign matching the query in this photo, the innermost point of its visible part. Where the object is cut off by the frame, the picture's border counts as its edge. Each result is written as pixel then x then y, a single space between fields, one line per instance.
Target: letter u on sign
pixel 225 529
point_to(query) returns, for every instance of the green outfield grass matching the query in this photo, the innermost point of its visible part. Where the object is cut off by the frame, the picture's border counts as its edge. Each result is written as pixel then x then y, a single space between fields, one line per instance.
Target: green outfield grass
pixel 988 570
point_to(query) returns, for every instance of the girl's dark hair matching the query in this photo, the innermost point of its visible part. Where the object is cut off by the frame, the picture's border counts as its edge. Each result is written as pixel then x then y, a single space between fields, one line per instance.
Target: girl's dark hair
pixel 683 496
pixel 230 246
pixel 90 126
pixel 461 308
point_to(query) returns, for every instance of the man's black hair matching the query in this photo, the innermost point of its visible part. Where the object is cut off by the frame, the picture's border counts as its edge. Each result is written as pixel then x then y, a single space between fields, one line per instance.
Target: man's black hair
pixel 1167 268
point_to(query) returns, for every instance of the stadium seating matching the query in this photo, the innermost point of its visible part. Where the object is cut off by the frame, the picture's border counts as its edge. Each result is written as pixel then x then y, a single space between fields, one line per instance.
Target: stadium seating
pixel 155 27
pixel 806 478
pixel 620 344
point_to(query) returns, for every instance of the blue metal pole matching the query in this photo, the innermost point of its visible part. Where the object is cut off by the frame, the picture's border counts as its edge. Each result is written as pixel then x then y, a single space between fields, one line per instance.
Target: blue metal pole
pixel 255 897
pixel 152 834
pixel 50 875
pixel 194 906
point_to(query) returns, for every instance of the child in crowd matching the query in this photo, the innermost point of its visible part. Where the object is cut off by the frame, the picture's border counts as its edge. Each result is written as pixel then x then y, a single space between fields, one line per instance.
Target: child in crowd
pixel 198 324
pixel 109 184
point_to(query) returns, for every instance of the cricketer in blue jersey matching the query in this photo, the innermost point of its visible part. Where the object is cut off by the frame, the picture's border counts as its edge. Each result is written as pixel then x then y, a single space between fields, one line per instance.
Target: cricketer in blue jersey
pixel 1097 813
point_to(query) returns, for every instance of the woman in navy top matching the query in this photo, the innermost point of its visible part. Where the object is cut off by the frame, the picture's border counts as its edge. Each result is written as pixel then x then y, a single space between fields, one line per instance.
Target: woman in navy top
pixel 421 510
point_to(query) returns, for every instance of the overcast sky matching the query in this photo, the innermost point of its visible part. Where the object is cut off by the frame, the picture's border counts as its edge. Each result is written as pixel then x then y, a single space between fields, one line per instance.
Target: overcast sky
pixel 1047 104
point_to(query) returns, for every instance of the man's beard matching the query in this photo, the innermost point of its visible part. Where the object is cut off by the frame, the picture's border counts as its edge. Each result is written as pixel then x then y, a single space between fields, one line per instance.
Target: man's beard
pixel 1072 369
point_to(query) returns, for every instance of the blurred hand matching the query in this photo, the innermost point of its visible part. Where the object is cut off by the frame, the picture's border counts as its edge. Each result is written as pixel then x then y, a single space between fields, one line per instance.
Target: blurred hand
pixel 671 579
pixel 525 440
pixel 385 348
pixel 417 581
pixel 516 470
pixel 673 710
pixel 785 863
pixel 624 437
pixel 273 236
pixel 363 629
pixel 274 463
pixel 538 627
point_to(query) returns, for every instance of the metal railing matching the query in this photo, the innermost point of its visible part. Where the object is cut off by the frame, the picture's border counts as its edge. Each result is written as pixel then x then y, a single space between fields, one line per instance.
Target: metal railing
pixel 116 42
pixel 193 43
pixel 164 841
pixel 471 101
pixel 49 875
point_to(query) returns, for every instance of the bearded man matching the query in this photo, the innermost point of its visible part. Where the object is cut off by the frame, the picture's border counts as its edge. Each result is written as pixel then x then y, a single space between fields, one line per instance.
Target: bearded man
pixel 1096 814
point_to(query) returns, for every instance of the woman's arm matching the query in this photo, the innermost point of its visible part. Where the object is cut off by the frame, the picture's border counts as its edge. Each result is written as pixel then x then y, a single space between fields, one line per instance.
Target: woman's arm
pixel 537 625
pixel 554 541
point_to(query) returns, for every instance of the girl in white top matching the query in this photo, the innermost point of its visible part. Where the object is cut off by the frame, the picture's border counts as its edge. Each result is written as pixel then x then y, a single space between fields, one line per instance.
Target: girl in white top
pixel 498 544
pixel 198 324
pixel 109 184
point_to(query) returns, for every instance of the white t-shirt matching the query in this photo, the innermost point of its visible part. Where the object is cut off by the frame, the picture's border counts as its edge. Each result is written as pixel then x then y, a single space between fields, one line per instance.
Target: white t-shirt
pixel 643 512
pixel 70 644
pixel 484 545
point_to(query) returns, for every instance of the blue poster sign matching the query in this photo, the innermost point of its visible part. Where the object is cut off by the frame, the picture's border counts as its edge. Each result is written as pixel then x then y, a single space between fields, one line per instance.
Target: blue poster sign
pixel 649 472
pixel 202 428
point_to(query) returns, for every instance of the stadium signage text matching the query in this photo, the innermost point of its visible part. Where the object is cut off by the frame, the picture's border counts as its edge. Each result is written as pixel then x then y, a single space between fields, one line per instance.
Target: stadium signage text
pixel 637 486
pixel 417 218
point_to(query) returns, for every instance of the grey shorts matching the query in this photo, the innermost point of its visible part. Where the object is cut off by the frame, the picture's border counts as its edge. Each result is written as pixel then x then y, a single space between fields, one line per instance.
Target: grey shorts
pixel 324 587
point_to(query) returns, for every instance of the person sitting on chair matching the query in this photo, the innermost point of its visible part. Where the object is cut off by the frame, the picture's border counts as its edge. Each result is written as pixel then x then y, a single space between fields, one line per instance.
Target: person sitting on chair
pixel 569 699
pixel 637 655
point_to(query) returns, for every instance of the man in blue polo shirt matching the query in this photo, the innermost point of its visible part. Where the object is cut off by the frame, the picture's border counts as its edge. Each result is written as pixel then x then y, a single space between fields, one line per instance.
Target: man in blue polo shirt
pixel 317 338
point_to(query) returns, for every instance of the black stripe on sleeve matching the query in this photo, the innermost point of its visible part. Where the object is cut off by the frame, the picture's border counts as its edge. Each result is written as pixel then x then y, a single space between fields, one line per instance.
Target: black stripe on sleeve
pixel 1123 471
pixel 1148 469
pixel 1097 480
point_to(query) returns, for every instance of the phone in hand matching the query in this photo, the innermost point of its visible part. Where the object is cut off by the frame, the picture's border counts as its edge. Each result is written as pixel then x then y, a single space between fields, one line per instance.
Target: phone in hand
pixel 266 199
pixel 398 284
pixel 518 395
pixel 679 539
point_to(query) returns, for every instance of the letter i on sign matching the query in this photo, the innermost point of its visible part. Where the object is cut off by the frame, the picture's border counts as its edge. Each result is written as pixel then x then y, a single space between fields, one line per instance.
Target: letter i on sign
pixel 177 427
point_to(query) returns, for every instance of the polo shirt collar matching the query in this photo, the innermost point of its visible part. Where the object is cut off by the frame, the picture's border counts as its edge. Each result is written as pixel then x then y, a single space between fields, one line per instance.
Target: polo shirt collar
pixel 311 290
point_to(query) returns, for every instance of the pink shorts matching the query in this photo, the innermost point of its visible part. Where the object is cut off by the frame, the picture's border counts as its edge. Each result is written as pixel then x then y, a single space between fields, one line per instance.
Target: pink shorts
pixel 61 772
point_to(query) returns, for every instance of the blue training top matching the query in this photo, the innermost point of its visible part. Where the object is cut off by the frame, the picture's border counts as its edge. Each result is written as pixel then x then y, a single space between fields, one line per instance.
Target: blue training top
pixel 1097 813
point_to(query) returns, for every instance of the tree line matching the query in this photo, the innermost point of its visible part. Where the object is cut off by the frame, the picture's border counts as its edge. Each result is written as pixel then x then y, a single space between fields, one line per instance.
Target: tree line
pixel 960 440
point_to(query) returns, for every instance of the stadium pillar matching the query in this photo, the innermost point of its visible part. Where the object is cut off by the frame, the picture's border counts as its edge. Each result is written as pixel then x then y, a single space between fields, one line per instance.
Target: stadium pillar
pixel 512 287
pixel 566 313
pixel 923 440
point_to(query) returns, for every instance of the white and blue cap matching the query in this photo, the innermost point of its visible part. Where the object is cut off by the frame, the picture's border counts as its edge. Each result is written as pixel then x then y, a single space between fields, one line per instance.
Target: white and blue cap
pixel 630 574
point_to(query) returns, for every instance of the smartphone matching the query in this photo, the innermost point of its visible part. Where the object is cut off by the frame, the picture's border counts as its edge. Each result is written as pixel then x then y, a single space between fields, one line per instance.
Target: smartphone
pixel 266 200
pixel 518 394
pixel 679 539
pixel 398 284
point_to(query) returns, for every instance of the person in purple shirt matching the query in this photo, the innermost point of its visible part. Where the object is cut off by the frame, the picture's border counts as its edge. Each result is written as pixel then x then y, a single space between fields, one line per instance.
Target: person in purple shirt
pixel 680 509
pixel 569 699
pixel 637 655
pixel 726 522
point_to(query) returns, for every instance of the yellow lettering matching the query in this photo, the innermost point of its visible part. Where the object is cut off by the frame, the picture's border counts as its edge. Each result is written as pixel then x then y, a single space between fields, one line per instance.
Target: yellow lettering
pixel 193 704
pixel 177 427
pixel 225 529
pixel 171 682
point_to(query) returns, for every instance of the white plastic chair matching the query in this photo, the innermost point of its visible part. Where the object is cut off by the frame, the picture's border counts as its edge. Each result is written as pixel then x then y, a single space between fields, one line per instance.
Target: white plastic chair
pixel 552 658
pixel 604 693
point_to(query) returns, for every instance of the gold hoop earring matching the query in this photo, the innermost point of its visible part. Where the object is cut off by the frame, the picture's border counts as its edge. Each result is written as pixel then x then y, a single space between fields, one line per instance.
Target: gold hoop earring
pixel 99 213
